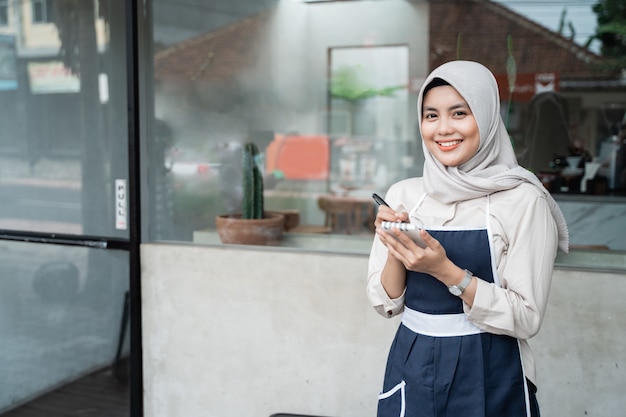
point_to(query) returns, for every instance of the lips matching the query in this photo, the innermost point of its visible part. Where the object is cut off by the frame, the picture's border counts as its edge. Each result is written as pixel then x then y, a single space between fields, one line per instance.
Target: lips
pixel 449 144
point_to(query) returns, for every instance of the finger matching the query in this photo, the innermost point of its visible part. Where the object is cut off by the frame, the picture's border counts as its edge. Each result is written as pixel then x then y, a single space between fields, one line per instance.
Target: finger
pixel 430 241
pixel 400 252
pixel 380 217
pixel 385 237
pixel 402 216
pixel 403 245
pixel 403 238
pixel 387 212
pixel 395 248
pixel 381 235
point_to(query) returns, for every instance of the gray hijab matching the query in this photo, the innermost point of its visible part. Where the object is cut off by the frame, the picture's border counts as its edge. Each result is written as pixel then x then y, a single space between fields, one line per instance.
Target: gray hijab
pixel 494 167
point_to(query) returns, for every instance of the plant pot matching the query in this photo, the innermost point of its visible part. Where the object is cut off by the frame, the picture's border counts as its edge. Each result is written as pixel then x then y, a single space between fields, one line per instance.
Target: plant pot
pixel 292 218
pixel 233 229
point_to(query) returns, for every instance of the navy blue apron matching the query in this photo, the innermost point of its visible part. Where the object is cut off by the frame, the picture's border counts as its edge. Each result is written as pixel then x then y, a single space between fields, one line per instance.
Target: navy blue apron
pixel 441 364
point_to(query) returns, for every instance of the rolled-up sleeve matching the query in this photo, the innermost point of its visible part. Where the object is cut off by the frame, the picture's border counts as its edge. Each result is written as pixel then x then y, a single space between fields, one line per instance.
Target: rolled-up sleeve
pixel 525 273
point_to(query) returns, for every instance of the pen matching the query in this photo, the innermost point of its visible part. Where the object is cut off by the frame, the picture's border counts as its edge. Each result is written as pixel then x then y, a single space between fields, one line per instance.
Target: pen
pixel 379 200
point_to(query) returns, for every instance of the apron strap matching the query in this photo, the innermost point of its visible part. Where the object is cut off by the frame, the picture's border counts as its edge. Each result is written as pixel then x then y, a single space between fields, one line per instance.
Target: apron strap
pixel 494 268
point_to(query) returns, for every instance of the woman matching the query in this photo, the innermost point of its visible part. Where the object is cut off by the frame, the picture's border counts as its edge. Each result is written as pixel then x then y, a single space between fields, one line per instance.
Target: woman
pixel 462 349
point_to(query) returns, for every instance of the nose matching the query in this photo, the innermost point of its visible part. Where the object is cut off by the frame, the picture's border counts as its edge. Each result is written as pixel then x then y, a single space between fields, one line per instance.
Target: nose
pixel 445 126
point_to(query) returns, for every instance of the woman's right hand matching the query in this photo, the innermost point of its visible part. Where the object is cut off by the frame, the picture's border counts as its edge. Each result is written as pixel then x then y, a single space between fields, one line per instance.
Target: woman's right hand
pixel 393 275
pixel 387 214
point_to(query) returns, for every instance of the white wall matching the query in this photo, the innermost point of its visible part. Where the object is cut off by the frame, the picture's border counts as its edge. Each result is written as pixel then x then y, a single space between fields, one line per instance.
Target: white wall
pixel 251 332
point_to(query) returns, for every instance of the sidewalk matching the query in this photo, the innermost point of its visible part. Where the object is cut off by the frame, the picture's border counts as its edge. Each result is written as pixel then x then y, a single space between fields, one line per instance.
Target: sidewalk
pixel 59 172
pixel 36 198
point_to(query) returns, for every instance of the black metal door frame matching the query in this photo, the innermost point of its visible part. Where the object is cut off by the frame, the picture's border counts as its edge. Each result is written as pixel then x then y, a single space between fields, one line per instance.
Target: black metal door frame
pixel 134 203
pixel 132 243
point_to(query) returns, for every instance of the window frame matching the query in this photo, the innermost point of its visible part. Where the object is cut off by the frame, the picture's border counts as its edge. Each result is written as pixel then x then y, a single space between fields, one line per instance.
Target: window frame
pixel 45 11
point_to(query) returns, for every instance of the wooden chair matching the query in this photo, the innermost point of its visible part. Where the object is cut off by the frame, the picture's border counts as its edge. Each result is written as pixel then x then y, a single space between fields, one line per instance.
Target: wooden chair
pixel 335 207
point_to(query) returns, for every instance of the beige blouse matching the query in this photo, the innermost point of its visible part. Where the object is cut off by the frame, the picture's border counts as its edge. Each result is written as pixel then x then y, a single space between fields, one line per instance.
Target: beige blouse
pixel 524 247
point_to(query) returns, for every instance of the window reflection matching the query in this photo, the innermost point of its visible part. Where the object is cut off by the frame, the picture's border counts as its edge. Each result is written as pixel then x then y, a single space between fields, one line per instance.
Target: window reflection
pixel 62 111
pixel 252 79
pixel 328 90
pixel 61 312
pixel 4 12
pixel 43 11
pixel 368 118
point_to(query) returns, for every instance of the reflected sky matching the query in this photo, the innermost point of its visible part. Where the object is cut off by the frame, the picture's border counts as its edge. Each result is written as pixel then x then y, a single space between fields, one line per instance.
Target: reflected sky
pixel 548 14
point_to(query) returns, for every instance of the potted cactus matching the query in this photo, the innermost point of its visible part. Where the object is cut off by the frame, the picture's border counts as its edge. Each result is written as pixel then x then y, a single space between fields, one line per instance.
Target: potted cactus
pixel 254 225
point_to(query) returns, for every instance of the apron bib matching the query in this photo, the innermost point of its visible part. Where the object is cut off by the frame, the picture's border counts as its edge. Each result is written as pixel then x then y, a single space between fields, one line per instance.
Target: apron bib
pixel 441 364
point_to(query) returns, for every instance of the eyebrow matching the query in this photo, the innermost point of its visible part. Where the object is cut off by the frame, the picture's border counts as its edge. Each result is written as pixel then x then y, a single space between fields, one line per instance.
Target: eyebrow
pixel 454 107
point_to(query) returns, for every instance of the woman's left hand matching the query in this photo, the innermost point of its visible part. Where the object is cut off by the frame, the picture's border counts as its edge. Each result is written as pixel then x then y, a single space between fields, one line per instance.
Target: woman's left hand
pixel 430 259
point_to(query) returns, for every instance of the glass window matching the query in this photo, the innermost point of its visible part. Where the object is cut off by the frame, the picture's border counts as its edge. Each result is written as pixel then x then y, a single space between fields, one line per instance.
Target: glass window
pixel 8 64
pixel 43 11
pixel 62 309
pixel 63 165
pixel 63 115
pixel 4 12
pixel 327 92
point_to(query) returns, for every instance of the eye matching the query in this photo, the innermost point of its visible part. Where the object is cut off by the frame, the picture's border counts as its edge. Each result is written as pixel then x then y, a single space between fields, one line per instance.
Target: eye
pixel 460 113
pixel 430 115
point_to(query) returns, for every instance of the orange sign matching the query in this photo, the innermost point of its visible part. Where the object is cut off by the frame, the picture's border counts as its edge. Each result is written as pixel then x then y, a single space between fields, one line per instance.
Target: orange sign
pixel 299 157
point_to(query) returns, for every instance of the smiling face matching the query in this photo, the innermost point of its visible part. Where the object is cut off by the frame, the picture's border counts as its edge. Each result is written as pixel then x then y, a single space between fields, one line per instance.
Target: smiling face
pixel 448 127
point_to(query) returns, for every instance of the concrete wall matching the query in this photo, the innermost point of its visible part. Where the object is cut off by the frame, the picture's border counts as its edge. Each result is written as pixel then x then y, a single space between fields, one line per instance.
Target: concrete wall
pixel 230 332
pixel 581 349
pixel 251 332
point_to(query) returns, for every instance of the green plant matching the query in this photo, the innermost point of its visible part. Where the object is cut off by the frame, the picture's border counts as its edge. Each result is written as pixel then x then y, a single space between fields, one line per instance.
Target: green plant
pixel 252 183
pixel 611 32
pixel 511 73
pixel 347 83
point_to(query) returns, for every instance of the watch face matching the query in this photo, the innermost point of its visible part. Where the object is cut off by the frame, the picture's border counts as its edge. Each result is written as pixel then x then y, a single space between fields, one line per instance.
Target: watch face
pixel 454 290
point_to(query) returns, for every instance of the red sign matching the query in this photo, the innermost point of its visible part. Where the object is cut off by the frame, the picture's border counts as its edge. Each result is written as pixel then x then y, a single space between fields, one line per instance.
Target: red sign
pixel 527 85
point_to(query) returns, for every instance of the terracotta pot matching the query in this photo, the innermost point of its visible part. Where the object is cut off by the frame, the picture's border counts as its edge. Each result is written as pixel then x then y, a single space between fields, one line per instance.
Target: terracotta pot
pixel 235 230
pixel 292 218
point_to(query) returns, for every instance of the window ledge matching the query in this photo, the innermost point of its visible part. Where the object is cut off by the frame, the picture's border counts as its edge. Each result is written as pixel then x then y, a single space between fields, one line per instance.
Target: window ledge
pixel 315 242
pixel 592 260
pixel 578 258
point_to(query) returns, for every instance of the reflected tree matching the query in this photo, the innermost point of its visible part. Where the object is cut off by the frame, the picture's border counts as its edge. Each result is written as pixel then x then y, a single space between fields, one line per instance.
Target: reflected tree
pixel 76 22
pixel 611 30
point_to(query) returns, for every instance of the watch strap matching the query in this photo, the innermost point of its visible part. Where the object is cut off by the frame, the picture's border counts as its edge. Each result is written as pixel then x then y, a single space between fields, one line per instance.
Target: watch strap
pixel 460 287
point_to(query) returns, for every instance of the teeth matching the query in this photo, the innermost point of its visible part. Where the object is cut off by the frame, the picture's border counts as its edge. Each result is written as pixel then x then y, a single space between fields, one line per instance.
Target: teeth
pixel 447 144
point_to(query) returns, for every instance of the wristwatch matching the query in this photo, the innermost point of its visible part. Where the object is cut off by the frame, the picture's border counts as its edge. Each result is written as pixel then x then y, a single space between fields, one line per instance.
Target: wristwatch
pixel 459 288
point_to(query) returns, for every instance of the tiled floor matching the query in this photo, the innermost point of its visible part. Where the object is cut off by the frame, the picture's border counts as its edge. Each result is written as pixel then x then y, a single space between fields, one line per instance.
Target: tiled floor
pixel 59 337
pixel 100 394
